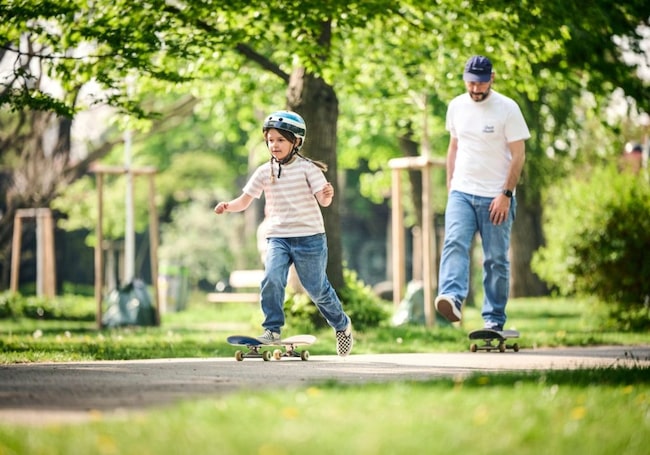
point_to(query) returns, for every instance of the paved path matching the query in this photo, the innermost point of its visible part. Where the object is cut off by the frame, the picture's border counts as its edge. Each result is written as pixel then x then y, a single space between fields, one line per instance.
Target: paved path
pixel 47 392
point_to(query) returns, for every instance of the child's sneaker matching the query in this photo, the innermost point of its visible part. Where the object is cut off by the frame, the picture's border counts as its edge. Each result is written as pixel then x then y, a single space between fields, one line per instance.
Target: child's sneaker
pixel 447 306
pixel 495 327
pixel 269 337
pixel 344 341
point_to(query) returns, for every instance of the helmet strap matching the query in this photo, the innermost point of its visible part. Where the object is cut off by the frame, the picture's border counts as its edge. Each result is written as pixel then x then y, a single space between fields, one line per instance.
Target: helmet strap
pixel 287 159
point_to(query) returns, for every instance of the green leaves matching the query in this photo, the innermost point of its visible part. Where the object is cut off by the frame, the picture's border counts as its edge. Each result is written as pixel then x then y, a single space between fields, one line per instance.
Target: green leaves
pixel 392 68
pixel 597 234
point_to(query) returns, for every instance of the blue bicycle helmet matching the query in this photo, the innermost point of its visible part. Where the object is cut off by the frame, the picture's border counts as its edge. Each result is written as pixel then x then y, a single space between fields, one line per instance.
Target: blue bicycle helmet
pixel 287 121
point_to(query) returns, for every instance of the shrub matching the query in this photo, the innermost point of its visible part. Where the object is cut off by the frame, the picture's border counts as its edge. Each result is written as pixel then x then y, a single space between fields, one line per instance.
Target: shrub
pixel 598 235
pixel 363 306
pixel 9 305
pixel 359 301
pixel 65 307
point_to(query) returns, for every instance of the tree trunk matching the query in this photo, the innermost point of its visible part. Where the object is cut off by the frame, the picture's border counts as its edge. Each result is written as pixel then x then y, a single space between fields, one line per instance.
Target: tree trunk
pixel 316 102
pixel 527 236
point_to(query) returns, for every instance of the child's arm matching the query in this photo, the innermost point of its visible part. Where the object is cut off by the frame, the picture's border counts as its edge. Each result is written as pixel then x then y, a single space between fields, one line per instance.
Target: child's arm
pixel 325 196
pixel 236 205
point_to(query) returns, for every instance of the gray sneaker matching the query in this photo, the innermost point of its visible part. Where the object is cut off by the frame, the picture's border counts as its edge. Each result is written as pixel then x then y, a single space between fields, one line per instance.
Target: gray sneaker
pixel 495 327
pixel 269 337
pixel 344 341
pixel 448 307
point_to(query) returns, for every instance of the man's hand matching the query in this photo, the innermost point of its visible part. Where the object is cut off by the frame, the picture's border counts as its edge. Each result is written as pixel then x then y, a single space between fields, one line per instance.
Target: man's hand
pixel 499 209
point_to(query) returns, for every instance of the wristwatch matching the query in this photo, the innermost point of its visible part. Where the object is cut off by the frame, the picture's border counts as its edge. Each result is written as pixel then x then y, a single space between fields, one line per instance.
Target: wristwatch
pixel 507 193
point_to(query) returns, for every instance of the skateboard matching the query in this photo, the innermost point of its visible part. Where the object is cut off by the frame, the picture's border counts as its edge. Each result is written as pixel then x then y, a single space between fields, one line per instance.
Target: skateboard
pixel 255 348
pixel 493 340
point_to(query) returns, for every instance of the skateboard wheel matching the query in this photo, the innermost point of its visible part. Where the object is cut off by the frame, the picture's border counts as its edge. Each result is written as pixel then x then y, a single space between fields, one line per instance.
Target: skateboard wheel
pixel 304 355
pixel 515 347
pixel 502 347
pixel 277 354
pixel 239 355
pixel 266 356
pixel 473 347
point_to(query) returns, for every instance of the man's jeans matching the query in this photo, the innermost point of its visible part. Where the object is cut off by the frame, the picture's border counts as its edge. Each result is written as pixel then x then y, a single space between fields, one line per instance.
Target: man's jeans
pixel 309 255
pixel 464 216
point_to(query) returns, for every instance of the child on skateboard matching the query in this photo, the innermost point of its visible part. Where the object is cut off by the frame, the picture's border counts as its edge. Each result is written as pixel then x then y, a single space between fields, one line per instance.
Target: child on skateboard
pixel 294 187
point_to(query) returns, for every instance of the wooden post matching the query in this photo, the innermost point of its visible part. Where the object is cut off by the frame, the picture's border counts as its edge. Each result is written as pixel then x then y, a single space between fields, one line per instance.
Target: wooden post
pixel 153 234
pixel 428 247
pixel 45 263
pixel 153 244
pixel 427 250
pixel 49 262
pixel 15 255
pixel 397 230
pixel 39 255
pixel 99 240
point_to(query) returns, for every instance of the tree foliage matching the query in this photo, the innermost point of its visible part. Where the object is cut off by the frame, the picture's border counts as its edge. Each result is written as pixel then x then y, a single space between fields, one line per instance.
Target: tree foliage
pixel 366 73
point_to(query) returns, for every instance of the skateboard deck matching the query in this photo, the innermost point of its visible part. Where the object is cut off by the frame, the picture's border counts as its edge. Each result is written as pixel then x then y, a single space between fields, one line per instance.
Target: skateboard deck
pixel 286 347
pixel 493 340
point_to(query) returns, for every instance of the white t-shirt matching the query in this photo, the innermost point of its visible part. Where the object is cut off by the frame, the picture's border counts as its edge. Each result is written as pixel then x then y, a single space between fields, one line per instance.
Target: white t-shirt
pixel 291 207
pixel 483 130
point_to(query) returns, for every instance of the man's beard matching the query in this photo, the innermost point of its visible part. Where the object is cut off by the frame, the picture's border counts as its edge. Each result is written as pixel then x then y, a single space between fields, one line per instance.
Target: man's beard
pixel 480 96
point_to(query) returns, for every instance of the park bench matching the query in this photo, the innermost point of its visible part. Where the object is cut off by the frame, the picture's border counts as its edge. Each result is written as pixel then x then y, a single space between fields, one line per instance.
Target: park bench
pixel 241 282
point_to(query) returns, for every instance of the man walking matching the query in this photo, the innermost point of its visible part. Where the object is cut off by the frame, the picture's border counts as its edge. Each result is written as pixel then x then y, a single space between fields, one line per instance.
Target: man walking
pixel 485 158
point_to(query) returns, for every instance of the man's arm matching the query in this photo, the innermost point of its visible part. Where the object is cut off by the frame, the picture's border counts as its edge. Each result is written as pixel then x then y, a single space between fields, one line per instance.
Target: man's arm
pixel 500 205
pixel 451 159
pixel 518 151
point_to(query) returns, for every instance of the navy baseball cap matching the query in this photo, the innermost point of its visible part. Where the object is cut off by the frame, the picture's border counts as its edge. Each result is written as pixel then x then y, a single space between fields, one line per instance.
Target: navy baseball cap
pixel 478 69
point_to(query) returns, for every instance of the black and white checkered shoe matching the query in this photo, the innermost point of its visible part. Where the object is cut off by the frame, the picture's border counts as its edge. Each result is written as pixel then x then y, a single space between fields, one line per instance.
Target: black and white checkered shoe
pixel 344 341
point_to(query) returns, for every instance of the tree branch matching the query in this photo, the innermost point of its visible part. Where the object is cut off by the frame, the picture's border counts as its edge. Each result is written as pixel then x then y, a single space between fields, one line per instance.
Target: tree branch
pixel 262 61
pixel 243 49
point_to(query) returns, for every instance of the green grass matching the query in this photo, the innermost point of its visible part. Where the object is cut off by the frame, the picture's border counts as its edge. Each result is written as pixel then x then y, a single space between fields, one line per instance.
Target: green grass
pixel 595 412
pixel 598 411
pixel 201 330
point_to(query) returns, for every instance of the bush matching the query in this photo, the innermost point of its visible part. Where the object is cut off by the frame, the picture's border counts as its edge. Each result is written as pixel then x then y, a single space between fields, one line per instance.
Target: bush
pixel 363 306
pixel 598 235
pixel 9 305
pixel 359 301
pixel 66 307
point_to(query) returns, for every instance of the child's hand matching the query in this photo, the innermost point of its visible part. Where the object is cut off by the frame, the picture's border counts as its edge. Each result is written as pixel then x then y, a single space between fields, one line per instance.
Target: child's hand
pixel 220 208
pixel 325 195
pixel 328 190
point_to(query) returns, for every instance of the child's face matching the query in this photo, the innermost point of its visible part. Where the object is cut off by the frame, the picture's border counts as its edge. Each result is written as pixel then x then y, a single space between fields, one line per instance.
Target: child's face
pixel 279 146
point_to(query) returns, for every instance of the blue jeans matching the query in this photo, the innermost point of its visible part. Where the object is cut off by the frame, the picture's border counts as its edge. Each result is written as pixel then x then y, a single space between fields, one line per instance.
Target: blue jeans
pixel 309 255
pixel 466 215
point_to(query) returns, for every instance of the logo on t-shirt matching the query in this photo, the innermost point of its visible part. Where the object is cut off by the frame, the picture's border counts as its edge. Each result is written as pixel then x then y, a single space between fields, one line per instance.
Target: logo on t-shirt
pixel 488 129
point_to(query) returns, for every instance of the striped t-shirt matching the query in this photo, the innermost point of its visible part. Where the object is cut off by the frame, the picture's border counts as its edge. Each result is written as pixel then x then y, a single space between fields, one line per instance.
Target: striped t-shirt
pixel 291 207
